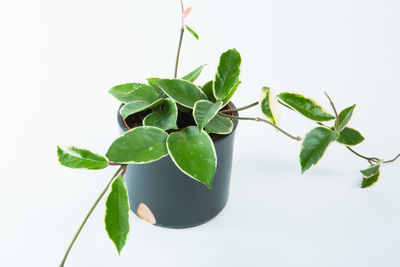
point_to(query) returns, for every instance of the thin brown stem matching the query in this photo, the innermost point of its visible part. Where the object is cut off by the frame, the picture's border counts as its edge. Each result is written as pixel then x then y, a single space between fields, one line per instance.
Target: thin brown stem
pixel 239 109
pixel 180 41
pixel 369 159
pixel 332 104
pixel 334 110
pixel 283 104
pixel 392 160
pixel 183 9
pixel 297 138
pixel 117 173
pixel 179 52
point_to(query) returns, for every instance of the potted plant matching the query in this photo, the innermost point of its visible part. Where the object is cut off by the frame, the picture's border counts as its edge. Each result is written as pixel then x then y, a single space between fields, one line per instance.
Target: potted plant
pixel 175 153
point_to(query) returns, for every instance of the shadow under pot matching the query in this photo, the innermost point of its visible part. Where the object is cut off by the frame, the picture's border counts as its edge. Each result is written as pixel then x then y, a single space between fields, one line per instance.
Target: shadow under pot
pixel 175 199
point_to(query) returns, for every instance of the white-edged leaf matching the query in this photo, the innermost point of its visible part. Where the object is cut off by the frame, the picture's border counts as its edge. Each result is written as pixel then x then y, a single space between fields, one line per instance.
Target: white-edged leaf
pixel 139 145
pixel 165 118
pixel 208 90
pixel 204 111
pixel 368 181
pixel 269 105
pixel 372 170
pixel 181 91
pixel 79 158
pixel 344 117
pixel 314 146
pixel 231 93
pixel 192 76
pixel 134 92
pixel 193 153
pixel 349 137
pixel 306 106
pixel 227 74
pixel 219 125
pixel 117 213
pixel 137 106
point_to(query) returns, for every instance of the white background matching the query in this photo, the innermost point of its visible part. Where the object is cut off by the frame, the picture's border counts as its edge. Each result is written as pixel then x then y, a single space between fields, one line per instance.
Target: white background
pixel 59 58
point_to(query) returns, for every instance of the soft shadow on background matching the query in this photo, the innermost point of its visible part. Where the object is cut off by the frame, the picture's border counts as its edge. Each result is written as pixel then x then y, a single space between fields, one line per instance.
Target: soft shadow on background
pixel 58 59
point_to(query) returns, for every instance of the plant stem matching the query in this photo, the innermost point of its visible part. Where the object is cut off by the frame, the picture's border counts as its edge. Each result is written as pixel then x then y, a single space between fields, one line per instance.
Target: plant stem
pixel 369 159
pixel 297 138
pixel 239 109
pixel 183 9
pixel 392 160
pixel 178 53
pixel 121 169
pixel 283 104
pixel 180 43
pixel 334 110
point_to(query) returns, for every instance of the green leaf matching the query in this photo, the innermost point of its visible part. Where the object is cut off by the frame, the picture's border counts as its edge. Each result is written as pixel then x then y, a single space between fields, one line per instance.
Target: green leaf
pixel 350 137
pixel 367 182
pixel 139 145
pixel 117 213
pixel 306 106
pixel 269 105
pixel 194 74
pixel 231 93
pixel 192 32
pixel 137 106
pixel 372 170
pixel 133 92
pixel 159 92
pixel 344 117
pixel 219 125
pixel 227 74
pixel 208 90
pixel 204 111
pixel 164 118
pixel 78 158
pixel 183 92
pixel 314 146
pixel 193 152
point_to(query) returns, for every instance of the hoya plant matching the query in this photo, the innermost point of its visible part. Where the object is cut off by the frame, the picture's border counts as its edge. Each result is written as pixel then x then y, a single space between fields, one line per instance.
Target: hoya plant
pixel 163 103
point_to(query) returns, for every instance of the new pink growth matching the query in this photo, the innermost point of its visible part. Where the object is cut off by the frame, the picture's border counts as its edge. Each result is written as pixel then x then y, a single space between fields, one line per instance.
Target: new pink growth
pixel 186 13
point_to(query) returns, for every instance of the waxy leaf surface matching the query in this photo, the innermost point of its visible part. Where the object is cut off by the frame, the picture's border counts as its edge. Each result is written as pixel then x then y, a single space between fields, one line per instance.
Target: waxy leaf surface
pixel 134 92
pixel 208 90
pixel 227 74
pixel 204 111
pixel 344 117
pixel 372 170
pixel 219 125
pixel 314 146
pixel 231 93
pixel 140 145
pixel 194 74
pixel 183 92
pixel 193 152
pixel 165 118
pixel 306 106
pixel 368 181
pixel 349 137
pixel 159 92
pixel 137 106
pixel 269 105
pixel 117 213
pixel 79 158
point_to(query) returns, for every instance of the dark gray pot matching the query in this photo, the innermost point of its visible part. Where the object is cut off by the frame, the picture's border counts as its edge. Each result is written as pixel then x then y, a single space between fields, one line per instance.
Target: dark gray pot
pixel 175 199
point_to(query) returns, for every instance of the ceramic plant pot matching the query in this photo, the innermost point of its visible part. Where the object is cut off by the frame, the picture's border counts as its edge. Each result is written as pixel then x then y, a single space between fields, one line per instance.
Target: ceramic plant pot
pixel 175 199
